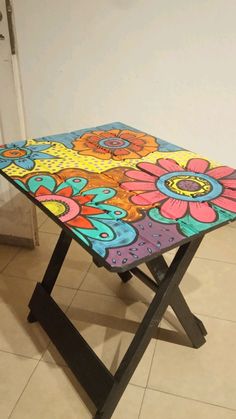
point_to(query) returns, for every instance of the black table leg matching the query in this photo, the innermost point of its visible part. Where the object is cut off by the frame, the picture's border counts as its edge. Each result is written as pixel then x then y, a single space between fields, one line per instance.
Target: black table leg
pixel 54 266
pixel 125 276
pixel 193 326
pixel 105 389
pixel 151 320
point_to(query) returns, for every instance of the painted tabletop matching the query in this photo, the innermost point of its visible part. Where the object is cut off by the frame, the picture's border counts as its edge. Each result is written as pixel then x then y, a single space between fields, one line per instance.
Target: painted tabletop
pixel 124 195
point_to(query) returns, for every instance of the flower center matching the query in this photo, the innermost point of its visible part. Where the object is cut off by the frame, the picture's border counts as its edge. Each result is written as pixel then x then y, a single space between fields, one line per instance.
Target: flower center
pixel 56 207
pixel 189 186
pixel 63 207
pixel 14 153
pixel 115 142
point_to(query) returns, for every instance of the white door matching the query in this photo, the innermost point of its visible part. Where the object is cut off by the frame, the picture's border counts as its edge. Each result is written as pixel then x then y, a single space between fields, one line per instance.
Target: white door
pixel 17 217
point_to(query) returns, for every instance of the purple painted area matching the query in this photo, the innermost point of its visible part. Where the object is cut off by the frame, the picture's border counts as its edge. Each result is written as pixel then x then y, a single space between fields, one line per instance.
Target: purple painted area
pixel 188 185
pixel 161 235
pixel 152 238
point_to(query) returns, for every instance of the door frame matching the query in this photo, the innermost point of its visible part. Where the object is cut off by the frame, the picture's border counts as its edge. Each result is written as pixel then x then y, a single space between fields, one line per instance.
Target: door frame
pixel 12 127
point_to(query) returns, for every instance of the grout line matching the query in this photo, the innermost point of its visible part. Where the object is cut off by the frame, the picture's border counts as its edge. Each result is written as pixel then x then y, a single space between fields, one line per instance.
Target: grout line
pixel 18 354
pixel 14 276
pixel 48 232
pixel 85 275
pixel 24 388
pixel 41 224
pixel 153 355
pixel 36 366
pixel 215 260
pixel 122 298
pixel 141 406
pixel 52 362
pixel 190 398
pixel 11 259
pixel 136 385
pixel 149 373
pixel 214 317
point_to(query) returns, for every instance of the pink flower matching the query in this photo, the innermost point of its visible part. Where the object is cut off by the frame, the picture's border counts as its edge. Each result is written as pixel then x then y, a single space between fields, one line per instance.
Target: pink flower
pixel 179 191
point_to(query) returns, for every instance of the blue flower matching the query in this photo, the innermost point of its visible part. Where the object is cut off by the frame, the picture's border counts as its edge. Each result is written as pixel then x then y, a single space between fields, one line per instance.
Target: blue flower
pixel 22 155
pixel 168 147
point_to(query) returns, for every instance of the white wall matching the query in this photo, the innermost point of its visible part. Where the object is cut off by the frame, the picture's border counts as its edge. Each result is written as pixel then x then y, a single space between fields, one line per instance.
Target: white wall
pixel 164 66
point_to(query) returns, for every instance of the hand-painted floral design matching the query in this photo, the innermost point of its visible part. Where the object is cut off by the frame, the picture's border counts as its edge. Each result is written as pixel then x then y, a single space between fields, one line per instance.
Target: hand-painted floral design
pixel 106 187
pixel 194 189
pixel 115 144
pixel 23 155
pixel 86 212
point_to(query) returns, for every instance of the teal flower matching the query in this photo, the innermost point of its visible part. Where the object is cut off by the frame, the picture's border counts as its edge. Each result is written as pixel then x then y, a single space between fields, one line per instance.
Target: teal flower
pixel 23 155
pixel 95 222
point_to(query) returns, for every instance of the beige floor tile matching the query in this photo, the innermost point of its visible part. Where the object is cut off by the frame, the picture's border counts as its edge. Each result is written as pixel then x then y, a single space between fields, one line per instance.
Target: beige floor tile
pixel 14 372
pixel 219 245
pixel 53 393
pixel 31 264
pixel 49 226
pixel 101 281
pixel 108 325
pixel 7 253
pixel 130 403
pixel 16 334
pixel 207 374
pixel 41 216
pixel 167 406
pixel 210 288
pixel 233 224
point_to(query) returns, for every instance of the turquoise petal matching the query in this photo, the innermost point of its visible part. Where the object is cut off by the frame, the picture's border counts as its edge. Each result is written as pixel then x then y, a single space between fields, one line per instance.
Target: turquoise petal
pixel 4 163
pixel 38 156
pixel 76 183
pixel 17 144
pixel 81 236
pixel 124 234
pixel 39 147
pixel 101 194
pixel 155 214
pixel 98 231
pixel 111 212
pixel 41 180
pixel 24 163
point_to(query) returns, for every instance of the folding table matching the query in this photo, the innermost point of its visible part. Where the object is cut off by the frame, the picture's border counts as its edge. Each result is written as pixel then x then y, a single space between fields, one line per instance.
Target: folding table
pixel 127 197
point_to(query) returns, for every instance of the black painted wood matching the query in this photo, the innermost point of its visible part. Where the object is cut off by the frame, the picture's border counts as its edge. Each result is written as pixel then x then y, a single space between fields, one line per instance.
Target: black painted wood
pixel 54 266
pixel 150 321
pixel 103 388
pixel 87 367
pixel 193 326
pixel 125 276
pixel 144 278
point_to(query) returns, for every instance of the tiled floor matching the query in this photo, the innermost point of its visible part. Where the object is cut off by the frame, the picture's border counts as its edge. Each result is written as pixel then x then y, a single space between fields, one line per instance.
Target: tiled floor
pixel 171 381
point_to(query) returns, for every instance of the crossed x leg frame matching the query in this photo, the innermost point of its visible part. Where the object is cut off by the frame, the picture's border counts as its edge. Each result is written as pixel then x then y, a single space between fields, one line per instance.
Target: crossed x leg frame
pixel 105 389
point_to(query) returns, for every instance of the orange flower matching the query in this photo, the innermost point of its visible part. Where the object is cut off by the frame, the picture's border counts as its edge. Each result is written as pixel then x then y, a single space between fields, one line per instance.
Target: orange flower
pixel 115 144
